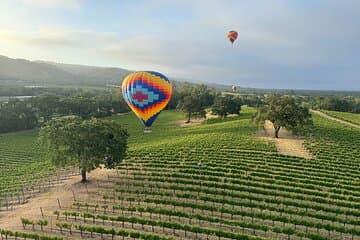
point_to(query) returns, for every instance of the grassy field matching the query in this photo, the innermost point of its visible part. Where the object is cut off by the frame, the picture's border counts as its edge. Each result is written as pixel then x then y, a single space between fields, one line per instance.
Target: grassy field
pixel 166 132
pixel 350 117
pixel 217 181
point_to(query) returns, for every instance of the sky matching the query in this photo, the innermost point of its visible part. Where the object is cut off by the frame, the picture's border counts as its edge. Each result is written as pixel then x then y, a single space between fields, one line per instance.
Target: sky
pixel 292 44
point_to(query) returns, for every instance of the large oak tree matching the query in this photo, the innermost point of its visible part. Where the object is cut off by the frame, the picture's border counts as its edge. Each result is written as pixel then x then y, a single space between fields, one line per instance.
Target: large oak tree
pixel 87 143
pixel 284 111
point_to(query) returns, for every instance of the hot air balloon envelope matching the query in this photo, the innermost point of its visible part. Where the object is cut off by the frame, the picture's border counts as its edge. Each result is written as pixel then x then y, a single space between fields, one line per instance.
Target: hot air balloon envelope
pixel 232 36
pixel 146 93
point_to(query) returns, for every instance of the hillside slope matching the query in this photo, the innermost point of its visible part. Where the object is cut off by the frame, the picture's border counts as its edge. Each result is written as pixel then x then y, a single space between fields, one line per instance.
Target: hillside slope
pixel 216 181
pixel 349 117
pixel 24 72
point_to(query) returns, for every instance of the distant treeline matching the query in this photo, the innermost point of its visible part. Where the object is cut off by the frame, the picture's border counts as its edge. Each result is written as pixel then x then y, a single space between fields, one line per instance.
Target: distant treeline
pixel 194 100
pixel 336 103
pixel 29 113
pixel 208 95
pixel 6 91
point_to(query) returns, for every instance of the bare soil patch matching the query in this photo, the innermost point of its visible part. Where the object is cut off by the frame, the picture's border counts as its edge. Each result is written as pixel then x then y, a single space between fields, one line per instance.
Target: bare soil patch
pixel 49 201
pixel 193 122
pixel 286 144
pixel 198 121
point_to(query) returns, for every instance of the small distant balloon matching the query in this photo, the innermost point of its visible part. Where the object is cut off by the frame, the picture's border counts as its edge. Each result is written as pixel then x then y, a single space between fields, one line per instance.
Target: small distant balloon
pixel 146 93
pixel 234 88
pixel 232 36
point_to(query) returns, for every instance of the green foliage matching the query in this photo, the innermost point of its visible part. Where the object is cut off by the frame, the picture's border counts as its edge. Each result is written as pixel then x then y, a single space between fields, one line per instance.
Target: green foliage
pixel 283 111
pixel 64 225
pixel 190 104
pixel 171 225
pixel 337 144
pixel 39 222
pixel 244 187
pixel 42 222
pixel 194 100
pixel 25 222
pixel 16 115
pixel 23 166
pixel 167 135
pixel 282 189
pixel 88 143
pixel 350 117
pixel 337 103
pixel 225 105
pixel 28 113
pixel 27 235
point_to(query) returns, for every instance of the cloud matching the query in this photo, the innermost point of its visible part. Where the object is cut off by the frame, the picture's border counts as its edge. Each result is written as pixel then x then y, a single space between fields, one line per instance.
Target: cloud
pixel 57 37
pixel 53 3
pixel 283 44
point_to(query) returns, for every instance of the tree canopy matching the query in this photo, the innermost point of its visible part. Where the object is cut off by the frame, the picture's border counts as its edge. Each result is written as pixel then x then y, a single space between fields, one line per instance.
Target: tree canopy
pixel 337 103
pixel 87 143
pixel 284 111
pixel 225 105
pixel 194 100
pixel 16 114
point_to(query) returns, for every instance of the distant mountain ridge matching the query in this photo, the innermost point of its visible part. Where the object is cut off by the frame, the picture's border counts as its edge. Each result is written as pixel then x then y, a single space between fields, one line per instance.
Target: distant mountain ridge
pixel 25 72
pixel 21 72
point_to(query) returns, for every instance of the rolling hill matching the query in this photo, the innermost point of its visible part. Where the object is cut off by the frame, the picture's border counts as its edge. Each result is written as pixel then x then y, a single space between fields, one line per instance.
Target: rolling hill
pixel 243 188
pixel 24 72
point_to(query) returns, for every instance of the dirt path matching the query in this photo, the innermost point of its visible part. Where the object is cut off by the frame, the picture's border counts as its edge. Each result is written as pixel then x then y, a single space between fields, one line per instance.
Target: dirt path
pixel 49 201
pixel 286 144
pixel 335 119
pixel 193 122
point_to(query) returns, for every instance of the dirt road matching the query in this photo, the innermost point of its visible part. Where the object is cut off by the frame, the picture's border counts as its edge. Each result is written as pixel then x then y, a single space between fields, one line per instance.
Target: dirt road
pixel 49 201
pixel 334 118
pixel 286 144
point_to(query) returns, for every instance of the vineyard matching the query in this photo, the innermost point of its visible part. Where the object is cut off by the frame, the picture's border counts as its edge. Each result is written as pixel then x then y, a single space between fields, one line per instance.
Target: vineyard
pixel 350 117
pixel 21 164
pixel 213 181
pixel 24 172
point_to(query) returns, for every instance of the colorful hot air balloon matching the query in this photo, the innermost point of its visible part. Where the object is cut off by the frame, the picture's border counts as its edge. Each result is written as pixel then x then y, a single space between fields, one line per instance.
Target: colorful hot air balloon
pixel 232 36
pixel 146 93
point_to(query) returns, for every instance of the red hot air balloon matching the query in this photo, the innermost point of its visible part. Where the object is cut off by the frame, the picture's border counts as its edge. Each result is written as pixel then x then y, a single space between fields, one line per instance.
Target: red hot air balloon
pixel 232 36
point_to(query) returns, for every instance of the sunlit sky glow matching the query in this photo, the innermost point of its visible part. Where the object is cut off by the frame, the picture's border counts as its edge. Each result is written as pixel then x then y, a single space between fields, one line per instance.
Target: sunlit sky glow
pixel 282 44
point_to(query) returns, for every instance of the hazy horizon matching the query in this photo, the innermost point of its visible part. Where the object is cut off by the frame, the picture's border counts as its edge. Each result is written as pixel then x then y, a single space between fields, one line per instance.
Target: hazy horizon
pixel 281 44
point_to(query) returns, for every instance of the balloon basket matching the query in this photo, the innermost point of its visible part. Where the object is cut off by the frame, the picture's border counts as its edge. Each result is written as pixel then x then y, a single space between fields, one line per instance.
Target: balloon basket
pixel 147 130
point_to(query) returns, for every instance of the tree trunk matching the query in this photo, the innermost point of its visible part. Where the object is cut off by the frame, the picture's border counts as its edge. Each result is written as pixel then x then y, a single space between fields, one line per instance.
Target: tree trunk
pixel 83 174
pixel 189 116
pixel 277 129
